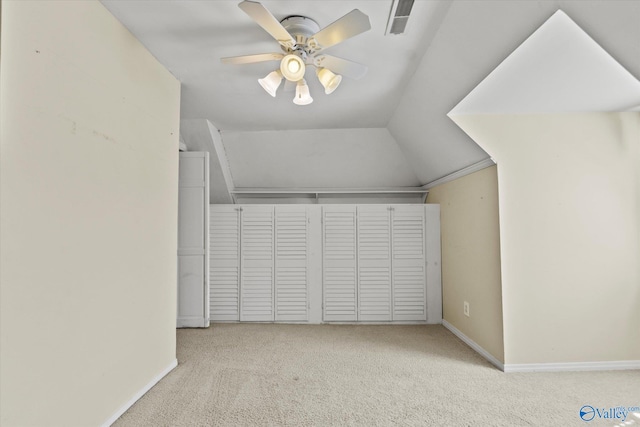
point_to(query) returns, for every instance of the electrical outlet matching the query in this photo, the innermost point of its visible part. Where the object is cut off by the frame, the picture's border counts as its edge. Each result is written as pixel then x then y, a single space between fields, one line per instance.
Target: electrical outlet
pixel 466 309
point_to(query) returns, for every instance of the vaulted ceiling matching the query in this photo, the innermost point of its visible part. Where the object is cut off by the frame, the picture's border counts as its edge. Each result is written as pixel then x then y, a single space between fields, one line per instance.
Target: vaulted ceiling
pixel 389 128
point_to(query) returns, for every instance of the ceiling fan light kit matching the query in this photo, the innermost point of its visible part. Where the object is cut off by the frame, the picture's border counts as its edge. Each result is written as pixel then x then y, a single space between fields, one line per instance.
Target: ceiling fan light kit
pixel 302 40
pixel 329 80
pixel 271 82
pixel 292 67
pixel 303 96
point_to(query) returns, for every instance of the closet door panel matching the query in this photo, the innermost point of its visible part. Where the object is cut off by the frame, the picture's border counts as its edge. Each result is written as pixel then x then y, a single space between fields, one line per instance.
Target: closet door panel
pixel 291 282
pixel 257 263
pixel 408 260
pixel 190 300
pixel 193 245
pixel 224 265
pixel 339 258
pixel 374 263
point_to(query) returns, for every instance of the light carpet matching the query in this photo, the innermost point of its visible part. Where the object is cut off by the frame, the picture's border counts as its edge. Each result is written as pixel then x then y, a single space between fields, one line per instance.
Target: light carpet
pixel 362 375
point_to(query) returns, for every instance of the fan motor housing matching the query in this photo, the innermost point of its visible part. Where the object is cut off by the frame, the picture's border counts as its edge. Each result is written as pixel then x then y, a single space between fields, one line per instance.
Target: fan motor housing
pixel 301 28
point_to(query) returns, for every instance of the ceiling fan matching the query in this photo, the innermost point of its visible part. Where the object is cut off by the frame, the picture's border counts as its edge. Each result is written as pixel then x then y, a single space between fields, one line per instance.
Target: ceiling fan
pixel 303 44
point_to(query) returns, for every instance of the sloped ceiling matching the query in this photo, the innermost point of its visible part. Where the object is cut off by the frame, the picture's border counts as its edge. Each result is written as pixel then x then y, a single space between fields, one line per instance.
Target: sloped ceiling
pixel 559 69
pixel 473 39
pixel 333 158
pixel 414 80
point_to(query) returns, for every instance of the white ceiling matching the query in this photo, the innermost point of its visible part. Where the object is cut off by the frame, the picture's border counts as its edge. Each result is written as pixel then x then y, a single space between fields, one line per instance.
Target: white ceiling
pixel 414 79
pixel 190 37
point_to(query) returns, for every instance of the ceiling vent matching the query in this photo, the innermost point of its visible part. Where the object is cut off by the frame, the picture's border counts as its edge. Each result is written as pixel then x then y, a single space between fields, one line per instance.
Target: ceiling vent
pixel 400 10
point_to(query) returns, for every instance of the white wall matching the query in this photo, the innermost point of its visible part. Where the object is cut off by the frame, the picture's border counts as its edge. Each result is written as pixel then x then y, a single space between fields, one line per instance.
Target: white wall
pixel 88 201
pixel 569 189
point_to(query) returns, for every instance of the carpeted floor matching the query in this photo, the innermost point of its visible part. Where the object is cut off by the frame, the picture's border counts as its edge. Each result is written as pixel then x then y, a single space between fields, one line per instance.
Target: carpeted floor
pixel 358 375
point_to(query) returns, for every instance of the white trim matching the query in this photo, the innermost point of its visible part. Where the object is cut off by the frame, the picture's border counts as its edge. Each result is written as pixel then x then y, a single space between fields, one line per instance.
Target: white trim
pixel 573 366
pixel 471 343
pixel 376 323
pixel 543 367
pixel 247 191
pixel 433 264
pixel 193 321
pixel 482 164
pixel 219 150
pixel 140 393
pixel 331 322
pixel 207 241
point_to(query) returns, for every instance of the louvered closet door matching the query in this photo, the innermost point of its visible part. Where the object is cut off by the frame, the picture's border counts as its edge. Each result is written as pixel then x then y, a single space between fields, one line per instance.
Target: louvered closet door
pixel 291 283
pixel 339 263
pixel 224 264
pixel 257 261
pixel 408 262
pixel 374 263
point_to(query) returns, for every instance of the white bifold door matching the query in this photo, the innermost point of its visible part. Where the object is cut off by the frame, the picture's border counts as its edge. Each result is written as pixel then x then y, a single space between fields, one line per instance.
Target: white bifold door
pixel 224 267
pixel 259 263
pixel 408 262
pixel 374 263
pixel 339 261
pixel 291 261
pixel 368 263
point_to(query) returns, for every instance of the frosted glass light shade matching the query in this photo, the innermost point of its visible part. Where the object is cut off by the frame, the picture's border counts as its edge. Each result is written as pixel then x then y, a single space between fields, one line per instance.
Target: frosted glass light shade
pixel 292 67
pixel 303 97
pixel 329 80
pixel 271 82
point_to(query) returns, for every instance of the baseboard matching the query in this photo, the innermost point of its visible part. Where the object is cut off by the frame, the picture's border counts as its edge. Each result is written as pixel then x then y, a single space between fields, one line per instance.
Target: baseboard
pixel 330 322
pixel 471 343
pixel 573 366
pixel 140 393
pixel 192 322
pixel 373 323
pixel 543 367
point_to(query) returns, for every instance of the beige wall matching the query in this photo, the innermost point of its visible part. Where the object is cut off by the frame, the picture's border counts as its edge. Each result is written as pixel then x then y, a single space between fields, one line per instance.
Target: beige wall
pixel 89 142
pixel 570 233
pixel 471 257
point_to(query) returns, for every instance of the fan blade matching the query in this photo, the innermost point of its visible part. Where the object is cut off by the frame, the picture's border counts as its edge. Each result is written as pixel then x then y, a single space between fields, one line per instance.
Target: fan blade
pixel 349 69
pixel 351 24
pixel 249 59
pixel 268 22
